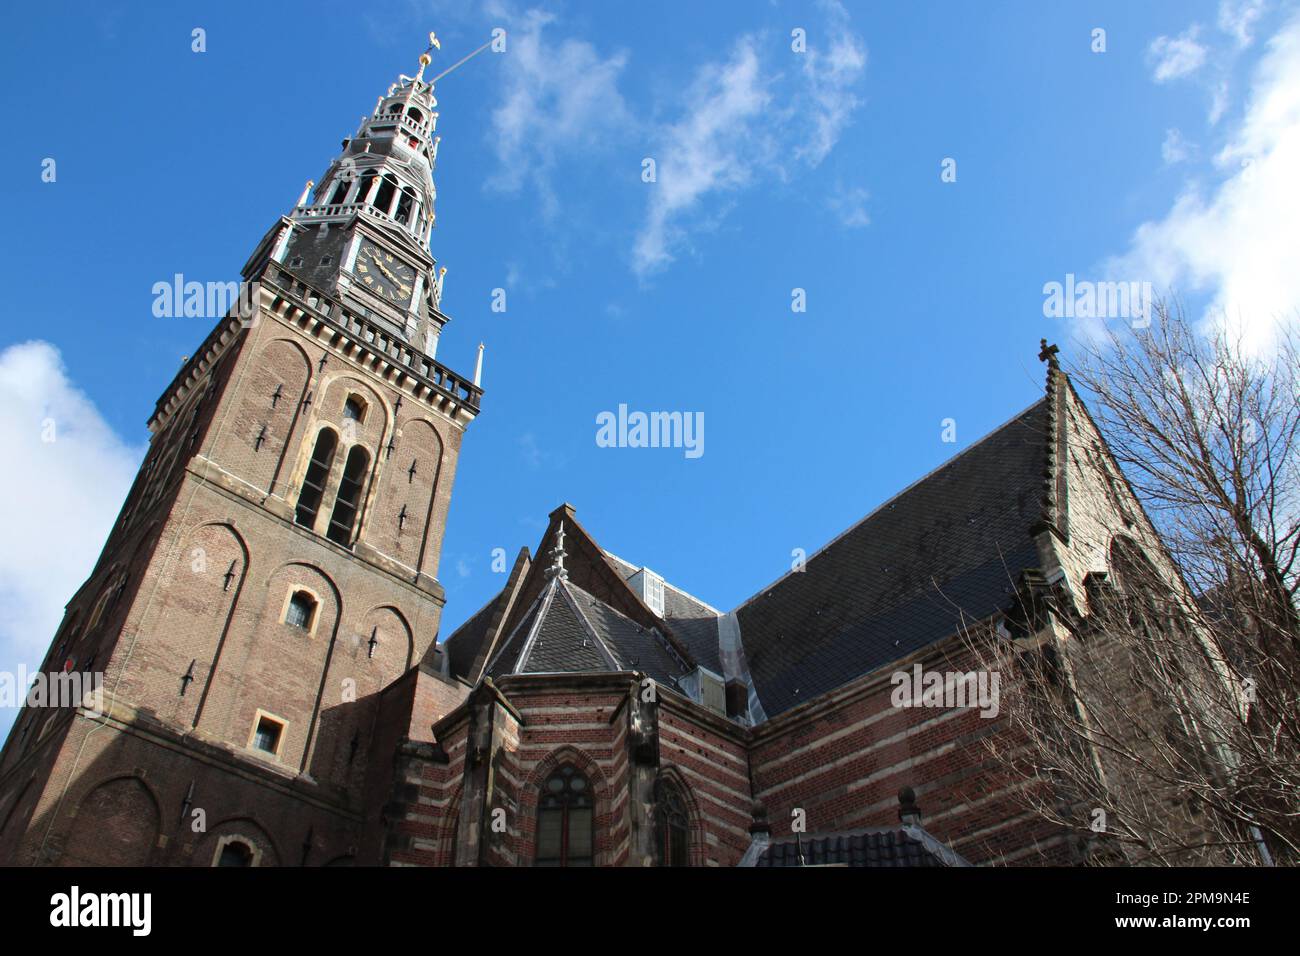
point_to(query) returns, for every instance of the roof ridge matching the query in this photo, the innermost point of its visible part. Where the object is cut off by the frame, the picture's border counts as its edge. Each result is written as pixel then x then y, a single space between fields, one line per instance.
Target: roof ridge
pixel 545 599
pixel 659 635
pixel 893 498
pixel 505 645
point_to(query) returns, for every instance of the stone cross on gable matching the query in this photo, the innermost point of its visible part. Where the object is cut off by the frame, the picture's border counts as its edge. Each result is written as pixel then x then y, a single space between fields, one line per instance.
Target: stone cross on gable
pixel 1048 354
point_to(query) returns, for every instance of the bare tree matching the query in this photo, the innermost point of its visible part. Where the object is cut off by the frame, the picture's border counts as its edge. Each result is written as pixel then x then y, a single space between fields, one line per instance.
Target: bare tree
pixel 1163 725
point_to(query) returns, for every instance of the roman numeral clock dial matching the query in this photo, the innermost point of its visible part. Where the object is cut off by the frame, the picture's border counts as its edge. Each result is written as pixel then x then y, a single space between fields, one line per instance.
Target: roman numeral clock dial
pixel 384 274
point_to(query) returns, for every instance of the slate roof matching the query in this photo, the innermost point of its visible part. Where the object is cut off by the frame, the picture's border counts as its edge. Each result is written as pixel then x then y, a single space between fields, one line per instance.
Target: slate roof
pixel 875 848
pixel 950 547
pixel 693 622
pixel 463 644
pixel 570 631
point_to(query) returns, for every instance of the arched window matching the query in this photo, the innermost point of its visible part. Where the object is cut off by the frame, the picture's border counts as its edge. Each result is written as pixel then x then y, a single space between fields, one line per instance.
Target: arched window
pixel 367 179
pixel 341 191
pixel 313 483
pixel 384 198
pixel 405 202
pixel 300 610
pixel 564 820
pixel 236 853
pixel 348 501
pixel 672 825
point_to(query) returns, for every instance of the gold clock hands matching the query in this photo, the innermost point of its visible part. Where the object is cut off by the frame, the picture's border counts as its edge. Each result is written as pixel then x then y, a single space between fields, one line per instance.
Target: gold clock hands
pixel 381 267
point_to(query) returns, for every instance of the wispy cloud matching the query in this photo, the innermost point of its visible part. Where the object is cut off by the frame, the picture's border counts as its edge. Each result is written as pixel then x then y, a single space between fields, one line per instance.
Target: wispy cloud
pixel 73 472
pixel 1238 19
pixel 735 132
pixel 850 205
pixel 1176 57
pixel 1235 240
pixel 1175 149
pixel 561 98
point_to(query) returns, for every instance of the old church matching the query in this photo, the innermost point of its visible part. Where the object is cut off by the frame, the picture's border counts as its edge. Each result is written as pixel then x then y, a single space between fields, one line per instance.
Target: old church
pixel 266 611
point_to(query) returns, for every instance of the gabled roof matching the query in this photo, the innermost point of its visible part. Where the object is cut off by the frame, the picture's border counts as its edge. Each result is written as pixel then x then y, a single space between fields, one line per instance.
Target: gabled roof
pixel 948 549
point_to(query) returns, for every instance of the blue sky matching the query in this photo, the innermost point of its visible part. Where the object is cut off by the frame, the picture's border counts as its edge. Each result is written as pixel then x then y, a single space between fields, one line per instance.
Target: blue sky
pixel 1168 157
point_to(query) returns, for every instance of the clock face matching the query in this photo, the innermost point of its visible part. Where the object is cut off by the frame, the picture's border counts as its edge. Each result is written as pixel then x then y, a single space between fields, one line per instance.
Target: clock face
pixel 384 274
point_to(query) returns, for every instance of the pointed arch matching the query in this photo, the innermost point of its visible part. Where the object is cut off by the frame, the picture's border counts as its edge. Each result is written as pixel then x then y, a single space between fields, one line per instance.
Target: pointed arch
pixel 673 797
pixel 602 803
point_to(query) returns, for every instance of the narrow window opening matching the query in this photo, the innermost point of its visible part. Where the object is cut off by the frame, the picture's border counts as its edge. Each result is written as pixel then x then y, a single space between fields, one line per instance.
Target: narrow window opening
pixel 313 483
pixel 349 497
pixel 340 192
pixel 384 198
pixel 405 202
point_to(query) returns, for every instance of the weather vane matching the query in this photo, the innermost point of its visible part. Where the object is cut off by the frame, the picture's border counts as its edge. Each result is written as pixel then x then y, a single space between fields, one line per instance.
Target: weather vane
pixel 427 56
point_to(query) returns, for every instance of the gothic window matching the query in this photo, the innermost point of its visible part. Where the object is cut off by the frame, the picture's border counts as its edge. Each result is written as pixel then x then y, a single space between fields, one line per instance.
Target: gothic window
pixel 313 483
pixel 672 825
pixel 565 820
pixel 416 116
pixel 235 853
pixel 348 501
pixel 300 610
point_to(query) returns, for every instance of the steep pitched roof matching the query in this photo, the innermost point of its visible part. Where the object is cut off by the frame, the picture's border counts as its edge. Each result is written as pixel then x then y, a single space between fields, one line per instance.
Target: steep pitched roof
pixel 694 623
pixel 567 630
pixel 947 549
pixel 464 643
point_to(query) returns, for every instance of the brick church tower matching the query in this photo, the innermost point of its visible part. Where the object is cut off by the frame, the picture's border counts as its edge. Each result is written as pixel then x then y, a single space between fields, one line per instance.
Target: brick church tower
pixel 275 564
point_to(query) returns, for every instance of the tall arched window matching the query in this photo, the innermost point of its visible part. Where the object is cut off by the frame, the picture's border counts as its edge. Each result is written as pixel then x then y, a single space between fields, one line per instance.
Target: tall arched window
pixel 367 180
pixel 672 825
pixel 405 203
pixel 341 190
pixel 313 483
pixel 348 500
pixel 384 198
pixel 564 820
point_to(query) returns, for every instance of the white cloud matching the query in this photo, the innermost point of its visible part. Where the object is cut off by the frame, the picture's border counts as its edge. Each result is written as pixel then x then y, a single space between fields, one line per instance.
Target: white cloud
pixel 561 97
pixel 715 146
pixel 850 205
pixel 745 121
pixel 1175 149
pixel 63 495
pixel 1177 57
pixel 1236 241
pixel 1237 18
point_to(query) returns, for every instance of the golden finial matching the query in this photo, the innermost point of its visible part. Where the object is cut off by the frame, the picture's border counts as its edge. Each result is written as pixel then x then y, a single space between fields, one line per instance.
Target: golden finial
pixel 426 57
